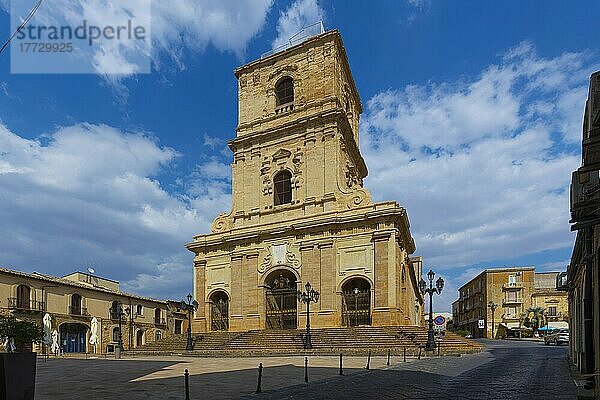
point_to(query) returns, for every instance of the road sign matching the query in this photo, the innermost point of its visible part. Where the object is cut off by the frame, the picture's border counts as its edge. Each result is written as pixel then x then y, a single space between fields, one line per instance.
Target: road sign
pixel 481 323
pixel 439 320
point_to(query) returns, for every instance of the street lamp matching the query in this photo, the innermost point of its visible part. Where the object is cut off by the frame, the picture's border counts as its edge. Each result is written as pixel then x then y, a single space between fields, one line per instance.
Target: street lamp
pixel 492 307
pixel 117 311
pixel 439 285
pixel 190 306
pixel 309 296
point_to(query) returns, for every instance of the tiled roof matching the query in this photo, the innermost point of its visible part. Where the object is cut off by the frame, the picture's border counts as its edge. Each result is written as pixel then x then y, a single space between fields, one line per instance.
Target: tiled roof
pixel 63 281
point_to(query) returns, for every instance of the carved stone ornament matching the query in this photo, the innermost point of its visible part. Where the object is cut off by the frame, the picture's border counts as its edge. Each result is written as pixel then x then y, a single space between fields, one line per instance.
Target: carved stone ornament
pixel 278 255
pixel 221 223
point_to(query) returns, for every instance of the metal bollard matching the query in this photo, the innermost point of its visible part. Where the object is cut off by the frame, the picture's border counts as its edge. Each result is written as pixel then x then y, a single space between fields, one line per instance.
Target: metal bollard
pixel 186 375
pixel 404 353
pixel 258 386
pixel 341 370
pixel 420 348
pixel 306 369
pixel 389 355
pixel 369 360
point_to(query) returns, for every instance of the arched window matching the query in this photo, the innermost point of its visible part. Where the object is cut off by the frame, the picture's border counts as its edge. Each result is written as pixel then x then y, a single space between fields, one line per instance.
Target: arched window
pixel 157 316
pixel 158 335
pixel 75 304
pixel 282 183
pixel 284 90
pixel 23 297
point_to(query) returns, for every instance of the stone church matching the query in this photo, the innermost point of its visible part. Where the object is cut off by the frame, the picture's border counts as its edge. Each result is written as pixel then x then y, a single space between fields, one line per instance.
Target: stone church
pixel 300 212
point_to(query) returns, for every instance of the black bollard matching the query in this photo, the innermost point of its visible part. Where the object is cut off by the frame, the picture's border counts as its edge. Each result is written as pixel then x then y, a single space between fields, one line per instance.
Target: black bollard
pixel 341 370
pixel 420 348
pixel 404 353
pixel 369 360
pixel 306 369
pixel 187 384
pixel 389 355
pixel 258 386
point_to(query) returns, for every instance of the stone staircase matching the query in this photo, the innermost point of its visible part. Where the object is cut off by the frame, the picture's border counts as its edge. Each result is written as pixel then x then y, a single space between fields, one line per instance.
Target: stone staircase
pixel 350 341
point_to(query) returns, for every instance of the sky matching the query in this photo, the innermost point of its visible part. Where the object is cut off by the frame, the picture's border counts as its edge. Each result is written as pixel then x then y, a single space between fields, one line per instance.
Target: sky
pixel 472 122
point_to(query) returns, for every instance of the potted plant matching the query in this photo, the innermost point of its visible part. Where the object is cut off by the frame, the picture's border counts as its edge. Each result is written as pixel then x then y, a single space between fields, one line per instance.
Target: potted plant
pixel 17 364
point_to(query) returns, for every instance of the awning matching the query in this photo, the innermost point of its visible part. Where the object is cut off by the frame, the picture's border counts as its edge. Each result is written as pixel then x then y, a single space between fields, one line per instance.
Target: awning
pixel 513 325
pixel 558 325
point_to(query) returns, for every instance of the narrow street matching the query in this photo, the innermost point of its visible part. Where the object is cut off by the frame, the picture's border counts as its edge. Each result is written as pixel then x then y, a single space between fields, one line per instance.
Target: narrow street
pixel 505 370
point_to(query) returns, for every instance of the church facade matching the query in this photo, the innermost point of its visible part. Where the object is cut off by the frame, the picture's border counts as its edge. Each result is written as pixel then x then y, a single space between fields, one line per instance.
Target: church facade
pixel 300 212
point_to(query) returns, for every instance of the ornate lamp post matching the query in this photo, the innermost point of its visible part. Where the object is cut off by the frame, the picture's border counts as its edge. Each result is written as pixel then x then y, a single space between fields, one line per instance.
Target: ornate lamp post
pixel 439 285
pixel 190 306
pixel 117 311
pixel 492 307
pixel 307 297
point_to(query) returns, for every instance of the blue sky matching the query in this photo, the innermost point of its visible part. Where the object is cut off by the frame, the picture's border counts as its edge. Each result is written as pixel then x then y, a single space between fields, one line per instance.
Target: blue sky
pixel 472 122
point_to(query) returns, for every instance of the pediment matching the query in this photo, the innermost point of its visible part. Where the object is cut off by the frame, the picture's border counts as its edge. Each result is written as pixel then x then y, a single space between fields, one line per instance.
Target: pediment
pixel 281 153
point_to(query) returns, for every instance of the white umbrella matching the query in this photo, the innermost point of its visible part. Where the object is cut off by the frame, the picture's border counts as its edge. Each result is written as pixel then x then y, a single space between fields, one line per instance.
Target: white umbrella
pixel 55 347
pixel 47 329
pixel 94 335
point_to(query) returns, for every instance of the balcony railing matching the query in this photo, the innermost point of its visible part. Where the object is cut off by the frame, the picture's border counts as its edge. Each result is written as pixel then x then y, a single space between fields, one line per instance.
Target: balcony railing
pixel 159 321
pixel 513 285
pixel 287 107
pixel 512 301
pixel 77 310
pixel 32 305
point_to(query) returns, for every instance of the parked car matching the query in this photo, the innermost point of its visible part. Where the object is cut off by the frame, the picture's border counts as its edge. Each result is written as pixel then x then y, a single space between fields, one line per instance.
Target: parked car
pixel 557 336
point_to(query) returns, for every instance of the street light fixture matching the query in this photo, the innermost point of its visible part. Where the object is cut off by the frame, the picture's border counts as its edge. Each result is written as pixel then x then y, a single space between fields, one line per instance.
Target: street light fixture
pixel 190 306
pixel 307 297
pixel 439 285
pixel 117 311
pixel 492 307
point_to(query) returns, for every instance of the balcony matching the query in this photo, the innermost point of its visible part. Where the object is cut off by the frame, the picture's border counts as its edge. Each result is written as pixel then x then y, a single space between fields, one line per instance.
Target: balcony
pixel 159 321
pixel 287 107
pixel 507 302
pixel 32 305
pixel 512 285
pixel 76 310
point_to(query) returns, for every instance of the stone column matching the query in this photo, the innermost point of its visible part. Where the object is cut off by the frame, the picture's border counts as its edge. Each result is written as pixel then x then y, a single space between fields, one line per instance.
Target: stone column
pixel 327 271
pixel 381 314
pixel 235 305
pixel 250 291
pixel 199 321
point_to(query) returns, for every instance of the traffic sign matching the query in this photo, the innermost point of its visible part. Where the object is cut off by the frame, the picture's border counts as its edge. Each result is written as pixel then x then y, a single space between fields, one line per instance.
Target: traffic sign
pixel 439 320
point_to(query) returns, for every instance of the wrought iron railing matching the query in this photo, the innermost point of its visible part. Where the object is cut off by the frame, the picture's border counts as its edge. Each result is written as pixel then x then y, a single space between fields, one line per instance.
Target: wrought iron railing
pixel 20 304
pixel 78 310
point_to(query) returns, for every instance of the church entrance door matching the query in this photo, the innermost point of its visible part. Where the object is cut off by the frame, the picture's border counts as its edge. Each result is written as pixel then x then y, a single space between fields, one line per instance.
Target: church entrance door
pixel 356 302
pixel 219 311
pixel 282 300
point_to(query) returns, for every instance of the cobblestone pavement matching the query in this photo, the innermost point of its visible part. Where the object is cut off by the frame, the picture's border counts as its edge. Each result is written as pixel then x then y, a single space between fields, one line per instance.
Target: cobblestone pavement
pixel 506 370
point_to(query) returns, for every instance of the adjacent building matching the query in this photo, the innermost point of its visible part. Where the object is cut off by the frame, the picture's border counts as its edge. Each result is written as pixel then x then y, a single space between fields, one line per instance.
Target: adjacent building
pixel 582 279
pixel 495 302
pixel 74 300
pixel 300 212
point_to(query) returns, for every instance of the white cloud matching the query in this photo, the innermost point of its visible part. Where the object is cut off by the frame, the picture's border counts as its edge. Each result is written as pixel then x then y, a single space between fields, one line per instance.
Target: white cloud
pixel 89 197
pixel 300 14
pixel 482 165
pixel 174 28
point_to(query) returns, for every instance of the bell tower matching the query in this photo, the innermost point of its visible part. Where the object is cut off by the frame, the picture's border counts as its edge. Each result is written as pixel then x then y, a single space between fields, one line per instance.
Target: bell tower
pixel 296 150
pixel 300 212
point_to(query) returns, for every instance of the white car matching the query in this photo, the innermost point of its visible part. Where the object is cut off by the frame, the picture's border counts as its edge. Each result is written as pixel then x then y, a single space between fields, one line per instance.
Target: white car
pixel 558 336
